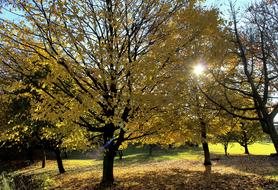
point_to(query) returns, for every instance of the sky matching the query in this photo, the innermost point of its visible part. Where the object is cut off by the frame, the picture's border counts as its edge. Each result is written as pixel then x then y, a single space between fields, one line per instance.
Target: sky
pixel 224 6
pixel 7 15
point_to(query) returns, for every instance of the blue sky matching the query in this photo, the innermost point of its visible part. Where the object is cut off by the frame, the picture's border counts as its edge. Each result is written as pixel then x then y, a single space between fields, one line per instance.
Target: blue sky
pixel 224 5
pixel 7 15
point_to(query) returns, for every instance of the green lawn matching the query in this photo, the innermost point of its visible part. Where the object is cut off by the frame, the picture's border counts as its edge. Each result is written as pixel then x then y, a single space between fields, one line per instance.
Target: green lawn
pixel 141 154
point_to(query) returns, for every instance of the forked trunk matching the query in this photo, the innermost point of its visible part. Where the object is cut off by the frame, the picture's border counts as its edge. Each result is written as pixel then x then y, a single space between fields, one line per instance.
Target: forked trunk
pixel 108 164
pixel 110 149
pixel 59 161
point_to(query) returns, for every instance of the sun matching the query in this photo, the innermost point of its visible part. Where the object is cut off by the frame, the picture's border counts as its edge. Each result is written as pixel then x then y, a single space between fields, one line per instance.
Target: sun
pixel 198 69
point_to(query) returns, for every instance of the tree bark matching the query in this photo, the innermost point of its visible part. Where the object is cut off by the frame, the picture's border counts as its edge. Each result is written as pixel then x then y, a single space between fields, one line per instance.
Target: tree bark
pixel 206 154
pixel 43 158
pixel 59 161
pixel 246 151
pixel 110 149
pixel 245 142
pixel 226 149
pixel 108 165
pixel 273 135
pixel 205 144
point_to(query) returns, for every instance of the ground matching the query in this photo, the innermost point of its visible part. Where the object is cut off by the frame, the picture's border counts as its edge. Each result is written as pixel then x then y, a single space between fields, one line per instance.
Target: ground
pixel 166 169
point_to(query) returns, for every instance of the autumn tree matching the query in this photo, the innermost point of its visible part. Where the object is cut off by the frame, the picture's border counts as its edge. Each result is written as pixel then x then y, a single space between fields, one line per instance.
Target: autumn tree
pixel 247 133
pixel 226 136
pixel 21 133
pixel 202 53
pixel 106 58
pixel 249 69
pixel 20 130
pixel 225 139
pixel 188 111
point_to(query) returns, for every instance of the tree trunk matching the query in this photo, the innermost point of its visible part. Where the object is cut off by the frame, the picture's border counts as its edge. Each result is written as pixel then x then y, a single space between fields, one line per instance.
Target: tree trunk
pixel 170 146
pixel 110 149
pixel 245 142
pixel 205 144
pixel 246 151
pixel 43 158
pixel 206 154
pixel 59 161
pixel 108 164
pixel 226 149
pixel 274 136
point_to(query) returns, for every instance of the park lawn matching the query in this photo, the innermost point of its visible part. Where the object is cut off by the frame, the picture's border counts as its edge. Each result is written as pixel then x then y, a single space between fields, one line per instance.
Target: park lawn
pixel 258 148
pixel 166 169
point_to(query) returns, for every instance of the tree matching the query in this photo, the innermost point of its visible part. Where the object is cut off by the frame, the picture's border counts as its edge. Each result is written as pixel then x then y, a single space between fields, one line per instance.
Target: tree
pixel 250 69
pixel 247 133
pixel 201 118
pixel 106 62
pixel 203 53
pixel 20 132
pixel 225 139
pixel 23 132
pixel 110 62
pixel 226 136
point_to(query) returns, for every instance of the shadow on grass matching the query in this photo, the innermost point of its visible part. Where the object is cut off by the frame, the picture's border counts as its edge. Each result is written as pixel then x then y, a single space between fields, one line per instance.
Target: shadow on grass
pixel 254 164
pixel 134 157
pixel 142 155
pixel 178 179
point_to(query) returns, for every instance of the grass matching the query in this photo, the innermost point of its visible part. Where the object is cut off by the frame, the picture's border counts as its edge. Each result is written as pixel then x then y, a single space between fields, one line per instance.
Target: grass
pixel 235 148
pixel 166 169
pixel 141 154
